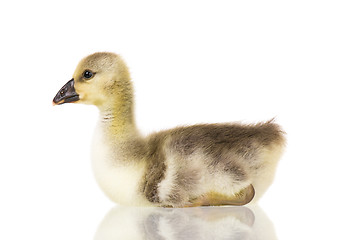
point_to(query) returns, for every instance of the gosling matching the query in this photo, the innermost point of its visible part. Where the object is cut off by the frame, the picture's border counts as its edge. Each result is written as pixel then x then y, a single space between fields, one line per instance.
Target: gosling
pixel 198 165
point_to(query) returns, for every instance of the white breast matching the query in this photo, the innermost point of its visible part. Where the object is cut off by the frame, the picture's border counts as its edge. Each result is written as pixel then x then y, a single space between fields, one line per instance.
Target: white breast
pixel 120 182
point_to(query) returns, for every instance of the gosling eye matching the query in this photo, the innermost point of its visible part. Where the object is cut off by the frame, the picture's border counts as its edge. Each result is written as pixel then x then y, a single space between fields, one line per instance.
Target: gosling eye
pixel 87 74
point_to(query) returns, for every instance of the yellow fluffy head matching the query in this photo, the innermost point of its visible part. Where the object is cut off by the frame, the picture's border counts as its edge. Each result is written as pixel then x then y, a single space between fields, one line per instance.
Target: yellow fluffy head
pixel 95 80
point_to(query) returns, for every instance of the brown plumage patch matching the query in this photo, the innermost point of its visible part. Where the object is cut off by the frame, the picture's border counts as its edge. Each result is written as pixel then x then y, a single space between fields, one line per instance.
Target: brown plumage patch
pixel 155 167
pixel 215 138
pixel 186 181
pixel 227 148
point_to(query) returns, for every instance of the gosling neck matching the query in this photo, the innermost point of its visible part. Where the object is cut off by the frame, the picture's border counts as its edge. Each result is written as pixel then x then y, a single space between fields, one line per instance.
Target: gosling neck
pixel 117 114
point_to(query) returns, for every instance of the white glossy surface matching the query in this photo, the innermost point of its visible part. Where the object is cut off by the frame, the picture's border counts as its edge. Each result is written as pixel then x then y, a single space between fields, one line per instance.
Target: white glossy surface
pixel 235 223
pixel 187 223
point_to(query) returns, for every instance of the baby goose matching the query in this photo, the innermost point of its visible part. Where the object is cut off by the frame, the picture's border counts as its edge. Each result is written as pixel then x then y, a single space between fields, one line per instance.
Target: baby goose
pixel 199 165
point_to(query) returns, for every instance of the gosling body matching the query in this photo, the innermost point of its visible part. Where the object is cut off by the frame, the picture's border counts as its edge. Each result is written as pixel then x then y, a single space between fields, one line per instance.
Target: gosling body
pixel 199 165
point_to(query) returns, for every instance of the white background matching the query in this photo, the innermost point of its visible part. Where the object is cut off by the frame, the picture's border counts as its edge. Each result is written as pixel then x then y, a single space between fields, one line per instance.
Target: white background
pixel 191 62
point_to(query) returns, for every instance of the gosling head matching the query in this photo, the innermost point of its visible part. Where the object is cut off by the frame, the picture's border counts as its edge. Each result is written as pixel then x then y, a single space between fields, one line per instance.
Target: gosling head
pixel 94 80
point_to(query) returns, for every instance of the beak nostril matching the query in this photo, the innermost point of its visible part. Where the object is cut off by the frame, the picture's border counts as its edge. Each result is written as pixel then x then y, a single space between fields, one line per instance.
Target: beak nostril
pixel 63 91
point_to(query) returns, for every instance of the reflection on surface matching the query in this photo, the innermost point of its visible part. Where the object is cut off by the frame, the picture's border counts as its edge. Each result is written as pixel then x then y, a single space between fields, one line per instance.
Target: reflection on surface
pixel 226 223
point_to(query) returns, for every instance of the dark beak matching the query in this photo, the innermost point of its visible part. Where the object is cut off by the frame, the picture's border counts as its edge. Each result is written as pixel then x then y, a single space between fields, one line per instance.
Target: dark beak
pixel 67 94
